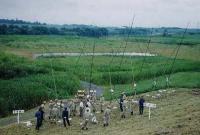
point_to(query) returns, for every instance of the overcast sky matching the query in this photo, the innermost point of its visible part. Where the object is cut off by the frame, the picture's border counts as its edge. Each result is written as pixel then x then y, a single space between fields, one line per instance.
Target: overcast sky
pixel 148 13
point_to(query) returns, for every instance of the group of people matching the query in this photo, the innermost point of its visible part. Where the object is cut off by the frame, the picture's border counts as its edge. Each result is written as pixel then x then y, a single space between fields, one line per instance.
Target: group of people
pixel 125 104
pixel 64 110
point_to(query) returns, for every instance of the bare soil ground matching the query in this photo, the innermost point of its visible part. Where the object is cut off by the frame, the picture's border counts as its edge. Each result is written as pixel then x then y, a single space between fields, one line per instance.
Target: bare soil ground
pixel 177 113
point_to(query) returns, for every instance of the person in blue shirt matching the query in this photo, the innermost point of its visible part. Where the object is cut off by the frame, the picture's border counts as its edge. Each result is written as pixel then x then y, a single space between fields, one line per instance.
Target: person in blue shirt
pixel 38 116
pixel 65 116
pixel 141 105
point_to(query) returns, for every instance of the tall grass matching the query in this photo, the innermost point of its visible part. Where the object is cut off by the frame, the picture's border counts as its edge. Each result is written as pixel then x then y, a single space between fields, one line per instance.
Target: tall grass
pixel 24 85
pixel 178 80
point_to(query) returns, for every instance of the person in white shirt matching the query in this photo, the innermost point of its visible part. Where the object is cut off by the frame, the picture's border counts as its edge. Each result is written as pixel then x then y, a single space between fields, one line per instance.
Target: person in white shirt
pixel 106 116
pixel 81 107
pixel 87 114
pixel 88 103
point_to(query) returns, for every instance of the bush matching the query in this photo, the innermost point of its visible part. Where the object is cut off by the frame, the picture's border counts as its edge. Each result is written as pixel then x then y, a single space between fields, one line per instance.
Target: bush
pixel 12 66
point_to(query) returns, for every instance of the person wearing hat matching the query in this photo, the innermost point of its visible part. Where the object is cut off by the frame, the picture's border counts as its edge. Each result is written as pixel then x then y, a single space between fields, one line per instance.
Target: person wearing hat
pixel 65 116
pixel 106 117
pixel 86 117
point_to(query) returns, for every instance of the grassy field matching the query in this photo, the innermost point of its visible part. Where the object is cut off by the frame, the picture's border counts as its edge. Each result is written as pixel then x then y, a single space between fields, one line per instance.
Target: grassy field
pixel 46 78
pixel 176 113
pixel 27 45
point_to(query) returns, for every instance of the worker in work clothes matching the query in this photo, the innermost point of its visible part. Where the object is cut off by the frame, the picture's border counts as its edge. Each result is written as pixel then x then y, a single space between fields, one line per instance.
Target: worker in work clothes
pixel 106 116
pixel 141 105
pixel 38 116
pixel 81 108
pixel 122 106
pixel 65 116
pixel 51 104
pixel 60 109
pixel 73 108
pixel 86 118
pixel 101 103
pixel 55 113
pixel 130 106
pixel 124 109
pixel 121 103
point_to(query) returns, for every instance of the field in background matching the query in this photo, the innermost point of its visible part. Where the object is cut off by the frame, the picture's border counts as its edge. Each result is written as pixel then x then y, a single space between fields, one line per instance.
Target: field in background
pixel 28 45
pixel 35 80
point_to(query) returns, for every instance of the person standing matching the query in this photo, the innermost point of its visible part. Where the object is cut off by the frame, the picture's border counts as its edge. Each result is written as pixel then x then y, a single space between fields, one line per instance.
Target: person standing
pixel 42 113
pixel 130 105
pixel 50 109
pixel 73 107
pixel 124 109
pixel 60 109
pixel 81 107
pixel 86 118
pixel 38 116
pixel 55 113
pixel 106 116
pixel 141 105
pixel 121 103
pixel 101 103
pixel 65 116
pixel 122 106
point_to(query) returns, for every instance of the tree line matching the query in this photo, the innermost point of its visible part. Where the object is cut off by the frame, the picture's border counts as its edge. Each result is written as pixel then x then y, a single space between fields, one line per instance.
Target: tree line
pixel 6 29
pixel 21 27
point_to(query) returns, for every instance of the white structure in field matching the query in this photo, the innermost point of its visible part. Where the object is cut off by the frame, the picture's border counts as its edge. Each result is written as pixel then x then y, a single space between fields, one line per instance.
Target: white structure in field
pixel 149 105
pixel 18 112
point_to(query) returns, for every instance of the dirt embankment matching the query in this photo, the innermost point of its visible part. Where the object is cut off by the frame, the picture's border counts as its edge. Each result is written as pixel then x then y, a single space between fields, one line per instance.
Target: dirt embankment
pixel 177 113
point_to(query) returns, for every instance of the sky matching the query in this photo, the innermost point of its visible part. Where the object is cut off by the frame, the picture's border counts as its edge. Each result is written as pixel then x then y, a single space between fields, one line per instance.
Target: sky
pixel 148 13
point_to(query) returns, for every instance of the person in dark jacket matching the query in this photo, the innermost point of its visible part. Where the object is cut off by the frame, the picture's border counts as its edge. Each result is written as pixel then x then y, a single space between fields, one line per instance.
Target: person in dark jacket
pixel 42 112
pixel 38 116
pixel 141 105
pixel 65 116
pixel 122 106
pixel 121 103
